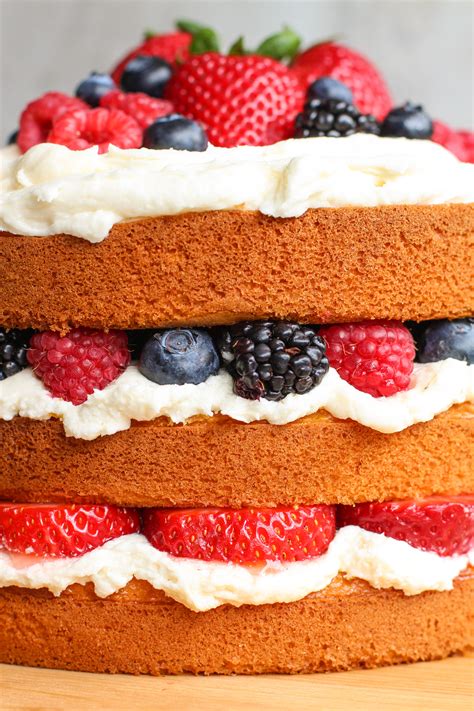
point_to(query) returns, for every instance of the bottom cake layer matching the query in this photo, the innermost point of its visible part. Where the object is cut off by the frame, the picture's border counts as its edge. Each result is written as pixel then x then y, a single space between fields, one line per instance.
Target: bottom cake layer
pixel 138 630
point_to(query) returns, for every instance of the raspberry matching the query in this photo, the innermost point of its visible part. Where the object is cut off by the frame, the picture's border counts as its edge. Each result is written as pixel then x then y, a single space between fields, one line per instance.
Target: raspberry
pixel 373 356
pixel 74 365
pixel 143 108
pixel 461 143
pixel 84 128
pixel 37 118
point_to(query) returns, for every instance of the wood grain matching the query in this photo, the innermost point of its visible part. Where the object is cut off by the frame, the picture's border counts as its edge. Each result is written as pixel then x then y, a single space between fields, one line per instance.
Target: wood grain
pixel 447 685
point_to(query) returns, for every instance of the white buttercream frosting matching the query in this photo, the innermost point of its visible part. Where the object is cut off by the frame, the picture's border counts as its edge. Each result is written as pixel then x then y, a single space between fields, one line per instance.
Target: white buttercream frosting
pixel 435 388
pixel 381 561
pixel 51 189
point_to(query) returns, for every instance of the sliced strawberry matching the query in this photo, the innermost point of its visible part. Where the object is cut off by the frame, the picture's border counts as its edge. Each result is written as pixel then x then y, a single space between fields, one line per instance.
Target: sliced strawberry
pixel 444 525
pixel 242 536
pixel 62 531
pixel 100 127
pixel 39 115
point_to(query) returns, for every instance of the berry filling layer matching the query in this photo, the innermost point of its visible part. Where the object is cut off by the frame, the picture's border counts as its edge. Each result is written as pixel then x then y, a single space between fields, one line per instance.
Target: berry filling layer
pixel 204 558
pixel 49 189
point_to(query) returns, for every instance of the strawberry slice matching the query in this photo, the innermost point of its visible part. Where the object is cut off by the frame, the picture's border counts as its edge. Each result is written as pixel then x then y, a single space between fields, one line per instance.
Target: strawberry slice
pixel 444 525
pixel 242 535
pixel 62 531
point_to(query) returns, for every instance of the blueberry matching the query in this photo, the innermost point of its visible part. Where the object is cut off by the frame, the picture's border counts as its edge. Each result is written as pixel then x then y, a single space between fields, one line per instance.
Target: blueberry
pixel 329 88
pixel 407 121
pixel 175 131
pixel 146 74
pixel 12 138
pixel 178 356
pixel 92 89
pixel 438 340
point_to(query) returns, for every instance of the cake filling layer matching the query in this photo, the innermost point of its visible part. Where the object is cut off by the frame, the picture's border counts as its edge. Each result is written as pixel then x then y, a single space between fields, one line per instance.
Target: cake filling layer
pixel 434 389
pixel 53 190
pixel 381 561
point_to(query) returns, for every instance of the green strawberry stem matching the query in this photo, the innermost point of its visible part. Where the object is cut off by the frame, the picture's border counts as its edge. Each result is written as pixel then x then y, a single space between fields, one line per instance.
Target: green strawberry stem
pixel 204 39
pixel 282 45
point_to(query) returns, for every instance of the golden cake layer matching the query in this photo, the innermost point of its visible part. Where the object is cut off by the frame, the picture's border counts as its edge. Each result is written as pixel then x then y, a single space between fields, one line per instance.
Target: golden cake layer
pixel 138 630
pixel 329 265
pixel 221 462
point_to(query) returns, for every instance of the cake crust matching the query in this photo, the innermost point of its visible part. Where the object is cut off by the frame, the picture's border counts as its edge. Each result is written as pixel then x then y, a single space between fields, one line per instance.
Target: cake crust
pixel 329 265
pixel 138 630
pixel 220 462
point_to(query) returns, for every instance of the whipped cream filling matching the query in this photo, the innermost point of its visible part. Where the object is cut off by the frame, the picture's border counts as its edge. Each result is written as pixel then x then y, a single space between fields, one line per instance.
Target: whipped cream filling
pixel 381 561
pixel 435 387
pixel 51 189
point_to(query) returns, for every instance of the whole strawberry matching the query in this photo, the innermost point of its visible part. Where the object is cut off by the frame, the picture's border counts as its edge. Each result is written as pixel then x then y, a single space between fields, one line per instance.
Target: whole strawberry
pixel 240 100
pixel 173 46
pixel 371 94
pixel 74 365
pixel 461 143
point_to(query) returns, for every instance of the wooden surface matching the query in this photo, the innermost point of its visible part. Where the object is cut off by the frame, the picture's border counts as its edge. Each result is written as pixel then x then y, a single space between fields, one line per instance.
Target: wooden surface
pixel 434 686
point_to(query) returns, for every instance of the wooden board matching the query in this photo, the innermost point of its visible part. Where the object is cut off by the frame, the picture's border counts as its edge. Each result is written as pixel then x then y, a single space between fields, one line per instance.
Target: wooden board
pixel 435 686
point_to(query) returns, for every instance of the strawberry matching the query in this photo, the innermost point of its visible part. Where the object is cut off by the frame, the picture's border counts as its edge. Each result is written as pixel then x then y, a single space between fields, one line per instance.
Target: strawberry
pixel 243 536
pixel 143 108
pixel 461 143
pixel 100 127
pixel 83 360
pixel 371 94
pixel 442 524
pixel 174 47
pixel 240 100
pixel 39 115
pixel 62 531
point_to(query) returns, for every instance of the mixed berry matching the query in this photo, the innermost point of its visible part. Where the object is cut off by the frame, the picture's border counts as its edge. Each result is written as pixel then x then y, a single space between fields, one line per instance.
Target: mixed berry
pixel 179 90
pixel 248 536
pixel 266 359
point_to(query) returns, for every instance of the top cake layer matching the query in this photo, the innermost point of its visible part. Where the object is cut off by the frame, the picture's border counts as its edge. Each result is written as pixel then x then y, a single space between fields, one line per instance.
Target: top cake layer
pixel 52 190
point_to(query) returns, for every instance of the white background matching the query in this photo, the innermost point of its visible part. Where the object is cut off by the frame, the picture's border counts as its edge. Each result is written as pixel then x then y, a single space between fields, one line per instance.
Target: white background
pixel 423 47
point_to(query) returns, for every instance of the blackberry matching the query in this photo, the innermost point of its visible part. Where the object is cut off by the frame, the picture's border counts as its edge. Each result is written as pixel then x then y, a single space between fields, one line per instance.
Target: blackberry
pixel 13 347
pixel 333 118
pixel 272 359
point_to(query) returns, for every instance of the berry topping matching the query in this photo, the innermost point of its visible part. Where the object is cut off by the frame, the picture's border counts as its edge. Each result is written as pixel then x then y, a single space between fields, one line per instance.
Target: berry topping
pixel 272 359
pixel 239 100
pixel 62 531
pixel 143 108
pixel 371 95
pixel 13 347
pixel 146 74
pixel 174 47
pixel 92 89
pixel 438 340
pixel 439 524
pixel 243 536
pixel 461 143
pixel 407 121
pixel 74 365
pixel 329 88
pixel 179 356
pixel 373 356
pixel 96 127
pixel 175 131
pixel 332 118
pixel 38 117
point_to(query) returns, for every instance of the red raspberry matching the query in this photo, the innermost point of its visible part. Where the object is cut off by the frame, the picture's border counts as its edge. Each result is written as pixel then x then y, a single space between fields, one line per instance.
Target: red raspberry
pixel 373 356
pixel 143 108
pixel 74 365
pixel 249 100
pixel 84 128
pixel 460 143
pixel 37 118
pixel 244 536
